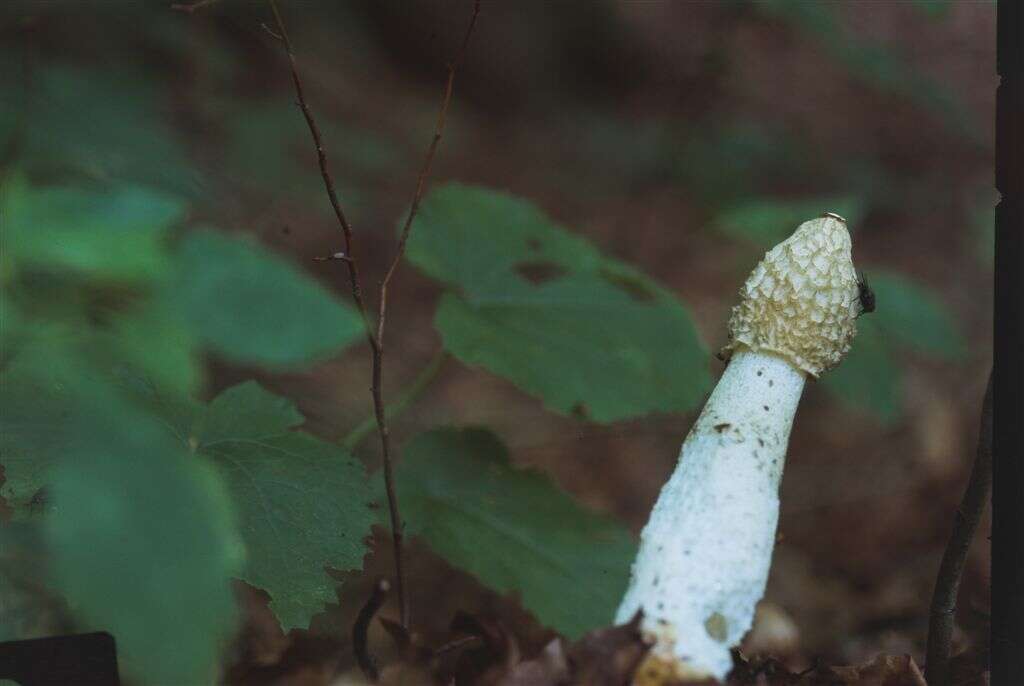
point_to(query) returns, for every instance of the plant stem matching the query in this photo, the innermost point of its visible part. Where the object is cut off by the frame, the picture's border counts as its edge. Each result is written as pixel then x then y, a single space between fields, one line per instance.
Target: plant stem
pixel 407 397
pixel 965 522
pixel 375 337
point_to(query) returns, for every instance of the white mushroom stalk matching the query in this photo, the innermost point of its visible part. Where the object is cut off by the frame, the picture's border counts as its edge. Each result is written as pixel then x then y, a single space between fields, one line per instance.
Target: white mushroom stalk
pixel 706 550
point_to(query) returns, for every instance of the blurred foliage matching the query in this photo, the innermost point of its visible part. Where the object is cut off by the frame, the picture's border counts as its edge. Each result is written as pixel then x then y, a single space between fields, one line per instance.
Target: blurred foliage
pixel 543 308
pixel 103 124
pixel 139 535
pixel 873 63
pixel 725 162
pixel 908 317
pixel 915 318
pixel 514 529
pixel 868 377
pixel 267 150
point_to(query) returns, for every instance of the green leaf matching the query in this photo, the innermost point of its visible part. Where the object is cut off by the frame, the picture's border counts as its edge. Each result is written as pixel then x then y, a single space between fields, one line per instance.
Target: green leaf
pixel 911 315
pixel 254 307
pixel 40 392
pixel 304 503
pixel 513 529
pixel 766 222
pixel 115 234
pixel 103 124
pixel 868 378
pixel 85 277
pixel 28 608
pixel 143 544
pixel 137 534
pixel 727 161
pixel 545 309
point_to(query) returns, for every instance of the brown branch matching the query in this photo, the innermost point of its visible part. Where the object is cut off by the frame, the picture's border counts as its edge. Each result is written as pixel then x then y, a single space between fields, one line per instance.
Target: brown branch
pixel 376 338
pixel 379 407
pixel 965 522
pixel 424 172
pixel 325 173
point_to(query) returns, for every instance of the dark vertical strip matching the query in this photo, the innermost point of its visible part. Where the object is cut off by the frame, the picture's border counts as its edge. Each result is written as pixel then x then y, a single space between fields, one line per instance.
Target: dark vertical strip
pixel 1008 380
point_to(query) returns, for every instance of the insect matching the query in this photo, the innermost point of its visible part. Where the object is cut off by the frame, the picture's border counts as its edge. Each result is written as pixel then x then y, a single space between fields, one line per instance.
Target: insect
pixel 865 295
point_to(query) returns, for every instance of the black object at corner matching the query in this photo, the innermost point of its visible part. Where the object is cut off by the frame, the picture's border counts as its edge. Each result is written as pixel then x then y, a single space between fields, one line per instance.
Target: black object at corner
pixel 80 659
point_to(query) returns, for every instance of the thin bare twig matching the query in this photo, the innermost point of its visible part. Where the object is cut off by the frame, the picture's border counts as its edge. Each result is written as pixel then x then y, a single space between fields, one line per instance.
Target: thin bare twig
pixel 424 172
pixel 965 522
pixel 325 173
pixel 375 337
pixel 382 304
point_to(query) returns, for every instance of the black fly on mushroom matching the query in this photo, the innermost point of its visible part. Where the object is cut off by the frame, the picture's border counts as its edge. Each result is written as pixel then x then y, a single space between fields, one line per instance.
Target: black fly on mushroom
pixel 865 296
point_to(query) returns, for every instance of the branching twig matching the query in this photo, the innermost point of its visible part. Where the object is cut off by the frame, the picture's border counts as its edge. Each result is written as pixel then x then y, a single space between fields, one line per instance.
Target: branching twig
pixel 414 206
pixel 376 336
pixel 325 173
pixel 965 522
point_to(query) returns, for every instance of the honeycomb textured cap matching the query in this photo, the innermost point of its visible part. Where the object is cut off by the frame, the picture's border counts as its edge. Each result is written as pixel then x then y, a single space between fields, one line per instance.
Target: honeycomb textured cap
pixel 801 301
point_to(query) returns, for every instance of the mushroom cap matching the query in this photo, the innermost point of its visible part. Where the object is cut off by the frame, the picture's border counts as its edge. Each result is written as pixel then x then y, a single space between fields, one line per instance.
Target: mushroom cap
pixel 800 302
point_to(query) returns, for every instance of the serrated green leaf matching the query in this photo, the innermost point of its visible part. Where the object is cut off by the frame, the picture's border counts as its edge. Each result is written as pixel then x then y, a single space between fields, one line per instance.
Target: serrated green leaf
pixel 868 378
pixel 766 222
pixel 514 530
pixel 911 315
pixel 304 503
pixel 254 307
pixel 594 336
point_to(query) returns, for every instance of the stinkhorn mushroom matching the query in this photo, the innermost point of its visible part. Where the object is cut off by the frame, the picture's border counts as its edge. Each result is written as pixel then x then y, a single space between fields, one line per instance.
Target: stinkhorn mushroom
pixel 706 550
